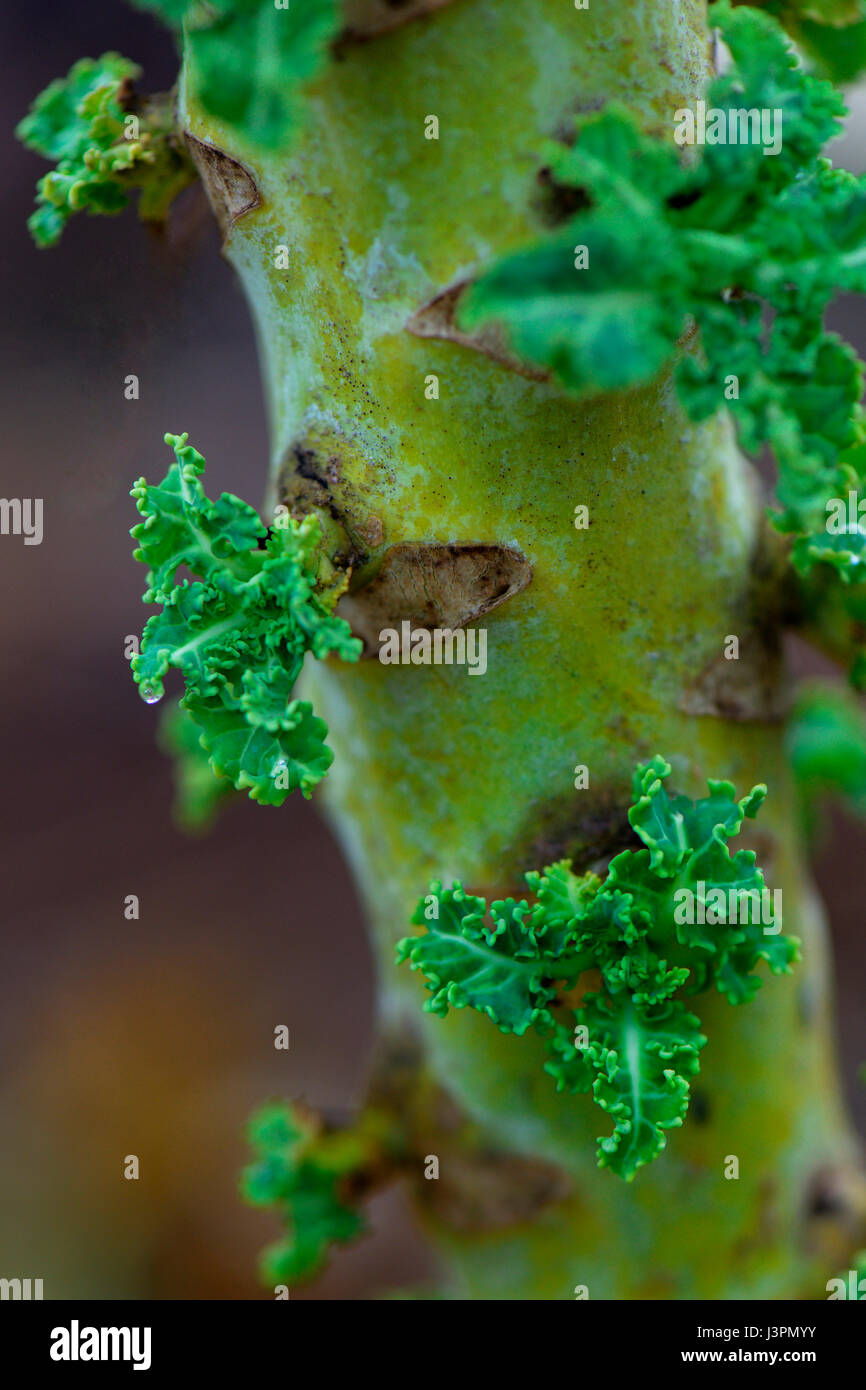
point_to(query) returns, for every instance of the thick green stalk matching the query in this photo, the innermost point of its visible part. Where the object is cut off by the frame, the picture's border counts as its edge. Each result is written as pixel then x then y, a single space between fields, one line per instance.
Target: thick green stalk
pixel 613 651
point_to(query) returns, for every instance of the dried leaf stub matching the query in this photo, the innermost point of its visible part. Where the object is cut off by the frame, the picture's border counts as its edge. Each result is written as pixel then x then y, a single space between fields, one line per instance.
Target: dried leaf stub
pixel 483 1192
pixel 231 188
pixel 438 319
pixel 748 689
pixel 434 586
pixel 835 1213
pixel 366 19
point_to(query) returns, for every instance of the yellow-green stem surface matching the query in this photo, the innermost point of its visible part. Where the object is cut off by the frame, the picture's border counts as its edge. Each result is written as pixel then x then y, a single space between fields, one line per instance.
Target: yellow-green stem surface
pixel 441 774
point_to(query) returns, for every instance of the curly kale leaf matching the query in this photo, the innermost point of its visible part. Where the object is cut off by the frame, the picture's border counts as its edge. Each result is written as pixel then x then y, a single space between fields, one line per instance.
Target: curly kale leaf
pixel 644 1055
pixel 239 630
pixel 496 967
pixel 748 243
pixel 199 791
pixel 305 1172
pixel 831 33
pixel 248 59
pixel 104 144
pixel 826 743
pixel 836 51
pixel 679 915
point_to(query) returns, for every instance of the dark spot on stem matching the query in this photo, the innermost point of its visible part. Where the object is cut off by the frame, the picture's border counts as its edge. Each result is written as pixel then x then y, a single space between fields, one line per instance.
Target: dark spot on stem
pixel 310 480
pixel 835 1212
pixel 554 202
pixel 684 199
pixel 700 1108
pixel 588 828
pixel 369 19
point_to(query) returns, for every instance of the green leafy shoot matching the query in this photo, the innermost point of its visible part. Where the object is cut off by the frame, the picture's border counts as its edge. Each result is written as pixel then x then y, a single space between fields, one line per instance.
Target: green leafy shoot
pixel 313 1177
pixel 104 143
pixel 826 743
pixel 199 791
pixel 746 245
pixel 836 52
pixel 850 1283
pixel 831 33
pixel 676 917
pixel 239 630
pixel 248 59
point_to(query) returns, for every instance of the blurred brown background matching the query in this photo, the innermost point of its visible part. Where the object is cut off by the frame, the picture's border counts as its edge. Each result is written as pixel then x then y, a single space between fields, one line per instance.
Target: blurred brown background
pixel 155 1036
